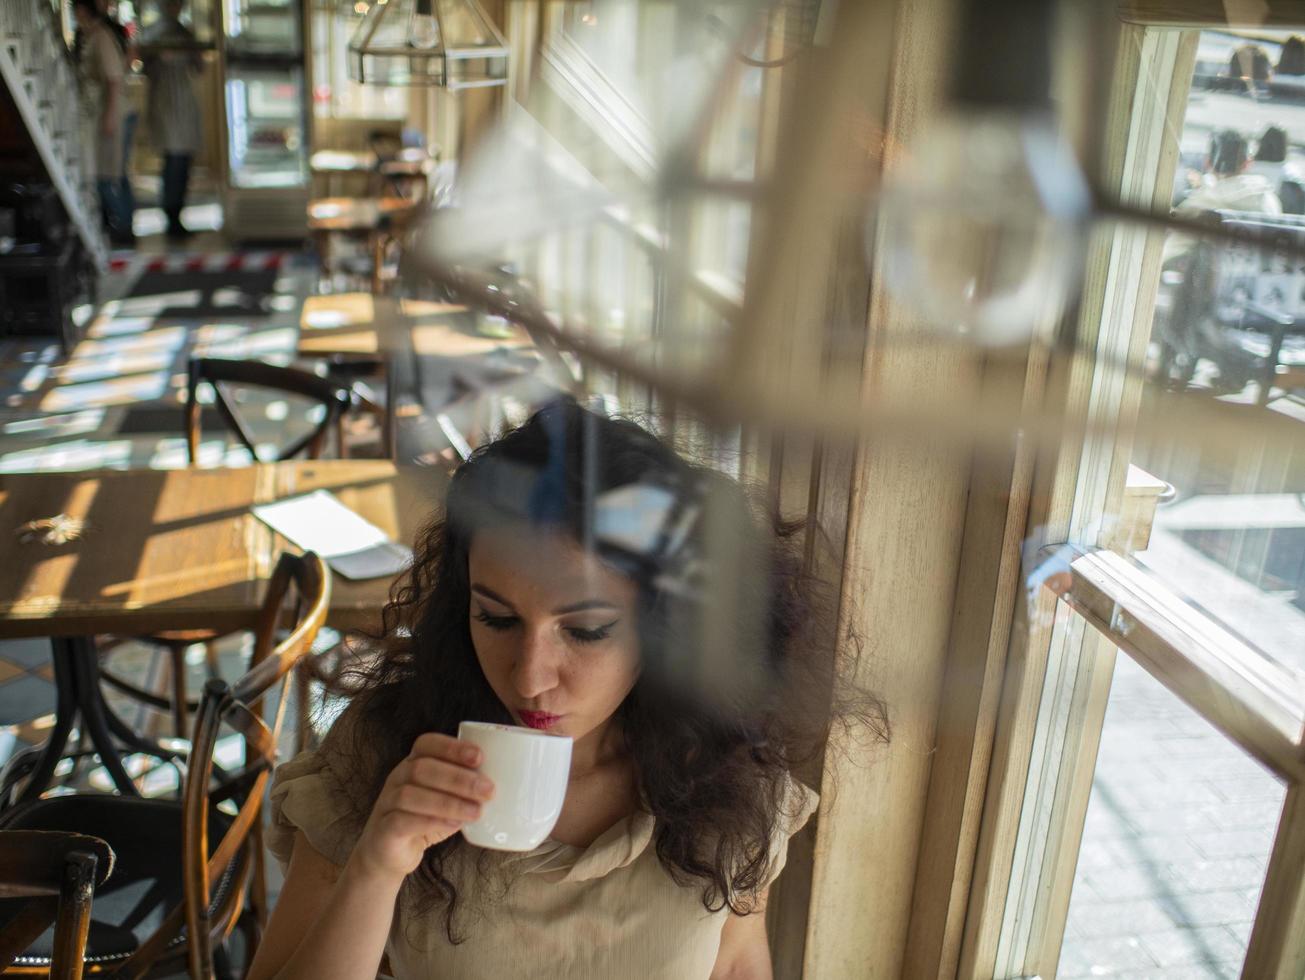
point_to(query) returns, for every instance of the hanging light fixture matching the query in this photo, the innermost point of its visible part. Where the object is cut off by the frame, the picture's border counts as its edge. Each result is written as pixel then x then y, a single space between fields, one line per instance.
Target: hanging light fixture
pixel 448 43
pixel 983 229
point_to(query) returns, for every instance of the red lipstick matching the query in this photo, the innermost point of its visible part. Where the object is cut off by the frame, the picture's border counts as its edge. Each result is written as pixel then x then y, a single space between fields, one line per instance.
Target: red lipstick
pixel 539 719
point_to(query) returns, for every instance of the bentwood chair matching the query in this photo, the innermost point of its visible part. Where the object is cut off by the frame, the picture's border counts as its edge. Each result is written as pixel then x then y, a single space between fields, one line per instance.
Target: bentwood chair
pixel 47 882
pixel 190 872
pixel 334 398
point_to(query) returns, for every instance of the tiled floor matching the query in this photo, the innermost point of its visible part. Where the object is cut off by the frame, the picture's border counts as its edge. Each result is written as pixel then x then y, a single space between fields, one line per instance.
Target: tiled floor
pixel 1175 847
pixel 116 399
pixel 27 694
pixel 27 704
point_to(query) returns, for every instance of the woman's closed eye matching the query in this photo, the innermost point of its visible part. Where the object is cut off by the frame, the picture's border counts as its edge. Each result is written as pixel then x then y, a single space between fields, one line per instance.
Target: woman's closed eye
pixel 581 634
pixel 496 622
pixel 590 634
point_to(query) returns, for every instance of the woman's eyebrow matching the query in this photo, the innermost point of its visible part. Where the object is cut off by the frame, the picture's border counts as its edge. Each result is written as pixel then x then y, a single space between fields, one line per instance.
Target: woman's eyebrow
pixel 490 594
pixel 573 607
pixel 586 604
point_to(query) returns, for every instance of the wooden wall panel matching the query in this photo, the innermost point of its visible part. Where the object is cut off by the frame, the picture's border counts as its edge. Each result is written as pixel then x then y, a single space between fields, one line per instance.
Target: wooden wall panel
pixel 906 512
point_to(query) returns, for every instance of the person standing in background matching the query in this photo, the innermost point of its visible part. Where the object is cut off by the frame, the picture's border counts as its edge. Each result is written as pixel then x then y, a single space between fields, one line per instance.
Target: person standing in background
pixel 124 35
pixel 171 60
pixel 100 63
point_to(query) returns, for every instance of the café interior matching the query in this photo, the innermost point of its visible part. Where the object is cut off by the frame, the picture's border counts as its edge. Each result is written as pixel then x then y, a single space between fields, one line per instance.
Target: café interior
pixel 1000 303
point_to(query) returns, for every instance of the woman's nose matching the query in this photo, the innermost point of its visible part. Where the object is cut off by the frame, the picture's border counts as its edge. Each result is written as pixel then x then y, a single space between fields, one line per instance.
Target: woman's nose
pixel 536 671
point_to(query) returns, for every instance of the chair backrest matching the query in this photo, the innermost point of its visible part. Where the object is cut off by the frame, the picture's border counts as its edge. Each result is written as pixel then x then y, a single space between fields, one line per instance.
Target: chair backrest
pixel 1253 286
pixel 333 396
pixel 239 706
pixel 58 872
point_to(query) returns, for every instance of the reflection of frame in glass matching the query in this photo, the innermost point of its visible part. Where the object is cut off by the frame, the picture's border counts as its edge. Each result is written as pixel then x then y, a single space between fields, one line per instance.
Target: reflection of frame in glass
pixel 1057 690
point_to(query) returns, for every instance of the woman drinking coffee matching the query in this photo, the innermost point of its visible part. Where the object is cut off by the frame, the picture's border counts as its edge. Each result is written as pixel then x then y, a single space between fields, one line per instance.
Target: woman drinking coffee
pixel 583 580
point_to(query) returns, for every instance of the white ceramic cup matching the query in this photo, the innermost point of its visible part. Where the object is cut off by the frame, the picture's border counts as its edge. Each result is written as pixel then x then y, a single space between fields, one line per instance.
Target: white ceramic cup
pixel 530 771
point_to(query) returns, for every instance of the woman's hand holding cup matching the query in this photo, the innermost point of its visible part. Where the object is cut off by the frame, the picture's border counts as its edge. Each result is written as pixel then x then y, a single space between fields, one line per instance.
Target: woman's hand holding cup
pixel 426 799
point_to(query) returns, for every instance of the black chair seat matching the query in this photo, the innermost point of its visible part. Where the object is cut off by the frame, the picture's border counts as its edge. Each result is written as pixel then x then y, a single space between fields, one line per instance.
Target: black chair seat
pixel 142 890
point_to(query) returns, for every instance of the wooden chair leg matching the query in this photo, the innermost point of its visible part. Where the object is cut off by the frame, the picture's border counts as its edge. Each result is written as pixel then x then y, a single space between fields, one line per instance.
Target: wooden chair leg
pixel 74 919
pixel 179 719
pixel 211 662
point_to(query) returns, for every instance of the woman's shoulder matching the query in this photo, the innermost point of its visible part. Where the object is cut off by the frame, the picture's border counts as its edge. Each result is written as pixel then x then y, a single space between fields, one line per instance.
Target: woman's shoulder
pixel 351 745
pixel 322 792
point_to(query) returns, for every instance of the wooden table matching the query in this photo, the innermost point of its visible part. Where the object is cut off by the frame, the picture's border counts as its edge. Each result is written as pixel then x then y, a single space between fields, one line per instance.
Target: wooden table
pixel 360 323
pixel 334 165
pixel 359 326
pixel 412 166
pixel 355 213
pixel 179 549
pixel 343 162
pixel 165 550
pixel 364 216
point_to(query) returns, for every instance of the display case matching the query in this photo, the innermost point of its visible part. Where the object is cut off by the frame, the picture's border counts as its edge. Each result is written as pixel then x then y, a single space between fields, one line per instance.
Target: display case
pixel 264 28
pixel 265 89
pixel 265 127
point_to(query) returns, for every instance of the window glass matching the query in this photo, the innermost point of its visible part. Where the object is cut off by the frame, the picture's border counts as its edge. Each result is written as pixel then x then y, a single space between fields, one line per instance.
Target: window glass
pixel 1192 464
pixel 631 44
pixel 574 191
pixel 1224 414
pixel 1175 846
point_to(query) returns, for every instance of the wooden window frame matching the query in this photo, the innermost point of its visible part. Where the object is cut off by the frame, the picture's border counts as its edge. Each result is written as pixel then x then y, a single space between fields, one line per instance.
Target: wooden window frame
pixel 1058 676
pixel 1254 702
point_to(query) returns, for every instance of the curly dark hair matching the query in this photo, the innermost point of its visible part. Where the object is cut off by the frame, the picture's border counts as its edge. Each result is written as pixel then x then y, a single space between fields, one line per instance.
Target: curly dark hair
pixel 714 729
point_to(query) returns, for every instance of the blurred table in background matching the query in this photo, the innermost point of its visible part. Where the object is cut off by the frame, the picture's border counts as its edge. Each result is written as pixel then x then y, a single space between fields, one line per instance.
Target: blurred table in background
pixel 407 173
pixel 360 323
pixel 332 168
pixel 433 344
pixel 373 219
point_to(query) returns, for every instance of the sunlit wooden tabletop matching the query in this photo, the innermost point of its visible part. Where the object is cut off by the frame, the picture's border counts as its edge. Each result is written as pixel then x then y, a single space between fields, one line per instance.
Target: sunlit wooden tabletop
pixel 359 323
pixel 342 161
pixel 356 213
pixel 174 549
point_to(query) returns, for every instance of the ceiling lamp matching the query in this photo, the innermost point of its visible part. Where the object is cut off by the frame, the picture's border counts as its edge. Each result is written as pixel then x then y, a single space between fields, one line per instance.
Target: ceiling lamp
pixel 984 229
pixel 449 43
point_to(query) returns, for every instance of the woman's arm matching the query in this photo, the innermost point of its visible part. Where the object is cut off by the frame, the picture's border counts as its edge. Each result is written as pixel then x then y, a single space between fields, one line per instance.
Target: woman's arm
pixel 744 950
pixel 329 922
pixel 332 923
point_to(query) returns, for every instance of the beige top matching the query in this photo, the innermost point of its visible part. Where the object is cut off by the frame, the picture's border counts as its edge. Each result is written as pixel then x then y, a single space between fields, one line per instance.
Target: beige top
pixel 174 115
pixel 603 911
pixel 101 65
